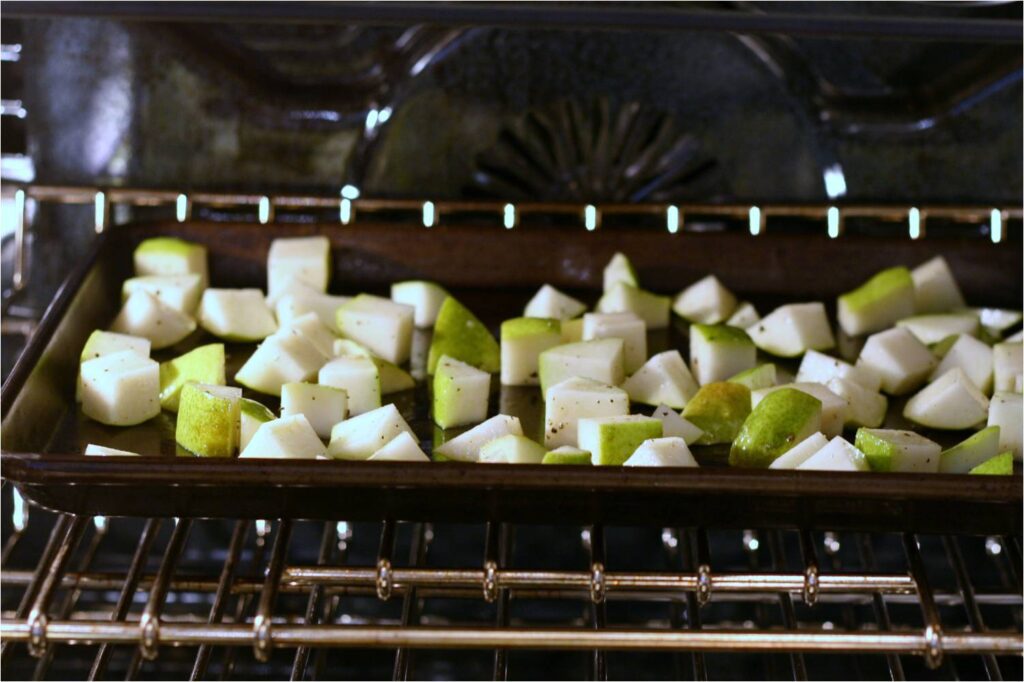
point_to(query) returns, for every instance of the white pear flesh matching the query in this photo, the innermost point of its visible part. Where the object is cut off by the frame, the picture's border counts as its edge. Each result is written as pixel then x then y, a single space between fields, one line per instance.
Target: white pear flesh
pixel 663 379
pixel 600 360
pixel 279 360
pixel 1005 412
pixel 625 298
pixel 380 324
pixel 718 352
pixel 460 393
pixel 170 256
pixel 236 314
pixel 1008 365
pixel 289 437
pixel 834 410
pixel 864 407
pixel 625 326
pixel 402 448
pixel 931 329
pixel 744 316
pixel 121 389
pixel 896 450
pixel 359 437
pixel 322 406
pixel 706 301
pixel 662 452
pixel 550 303
pixel 512 449
pixel 102 451
pixel 145 315
pixel 820 368
pixel 673 425
pixel 425 298
pixel 800 453
pixel 307 259
pixel 181 292
pixel 619 269
pixel 576 398
pixel 315 331
pixel 293 305
pixel 895 355
pixel 793 329
pixel 935 288
pixel 997 320
pixel 523 339
pixel 251 416
pixel 358 377
pixel 950 402
pixel 838 455
pixel 466 446
pixel 974 357
pixel 102 343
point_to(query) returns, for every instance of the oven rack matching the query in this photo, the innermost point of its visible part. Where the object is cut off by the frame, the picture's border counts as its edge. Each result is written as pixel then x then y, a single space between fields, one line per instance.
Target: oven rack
pixel 914 606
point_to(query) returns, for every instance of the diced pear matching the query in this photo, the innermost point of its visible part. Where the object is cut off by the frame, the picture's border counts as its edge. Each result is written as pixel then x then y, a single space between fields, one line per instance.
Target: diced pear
pixel 402 448
pixel 304 258
pixel 898 358
pixel 791 330
pixel 674 426
pixel 281 359
pixel 572 330
pixel 209 420
pixel 800 453
pixel 600 360
pixel 878 303
pixel 170 256
pixel 101 451
pixel 706 301
pixel 762 376
pixel 664 379
pixel 838 455
pixel 145 315
pixel 460 393
pixel 820 368
pixel 393 378
pixel 661 452
pixel 240 315
pixel 1005 412
pixel 969 453
pixel 626 298
pixel 1000 465
pixel 523 339
pixel 625 326
pixel 1008 364
pixel 203 365
pixel 290 437
pixel 949 402
pixel 898 451
pixel 342 348
pixel 315 331
pixel 426 299
pixel 781 420
pixel 567 402
pixel 550 303
pixel 293 305
pixel 251 414
pixel 719 410
pixel 974 357
pixel 363 435
pixel 744 316
pixel 935 288
pixel 459 334
pixel 619 269
pixel 940 349
pixel 102 343
pixel 718 352
pixel 931 329
pixel 181 292
pixel 833 408
pixel 466 446
pixel 322 406
pixel 512 449
pixel 566 454
pixel 864 407
pixel 358 377
pixel 383 326
pixel 612 440
pixel 121 389
pixel 997 320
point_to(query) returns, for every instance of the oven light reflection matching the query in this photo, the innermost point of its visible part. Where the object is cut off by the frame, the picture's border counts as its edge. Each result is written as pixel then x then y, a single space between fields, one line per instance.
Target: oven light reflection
pixel 429 215
pixel 756 221
pixel 996 226
pixel 345 211
pixel 914 220
pixel 835 181
pixel 833 222
pixel 590 217
pixel 672 219
pixel 181 208
pixel 101 211
pixel 510 216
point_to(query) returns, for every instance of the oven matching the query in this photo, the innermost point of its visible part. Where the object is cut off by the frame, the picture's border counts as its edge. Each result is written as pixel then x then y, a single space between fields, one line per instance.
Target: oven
pixel 792 149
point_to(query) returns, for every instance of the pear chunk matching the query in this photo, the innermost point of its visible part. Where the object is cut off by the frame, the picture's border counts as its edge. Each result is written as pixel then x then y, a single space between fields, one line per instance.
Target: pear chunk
pixel 252 414
pixel 402 448
pixel 781 420
pixel 289 437
pixel 307 259
pixel 460 335
pixel 935 288
pixel 626 298
pixel 393 379
pixel 674 426
pixel 600 360
pixel 361 436
pixel 898 358
pixel 466 446
pixel 718 352
pixel 619 269
pixel 762 376
pixel 744 316
pixel 1008 363
pixel 383 326
pixel 315 331
pixel 358 378
pixel 102 343
pixel 719 410
pixel 460 393
pixel 512 449
pixel 820 368
pixel 625 326
pixel 969 453
pixel 572 330
pixel 101 451
pixel 426 299
pixel 181 292
pixel 209 420
pixel 611 440
pixel 240 315
pixel 279 360
pixel 1000 465
pixel 661 452
pixel 664 379
pixel 203 365
pixel 974 357
pixel 121 389
pixel 290 306
pixel 706 301
pixel 322 406
pixel 838 455
pixel 523 339
pixel 898 451
pixel 550 303
pixel 931 329
pixel 566 454
pixel 145 315
pixel 1005 412
pixel 791 330
pixel 833 408
pixel 864 407
pixel 567 402
pixel 878 303
pixel 170 256
pixel 347 348
pixel 949 402
pixel 800 453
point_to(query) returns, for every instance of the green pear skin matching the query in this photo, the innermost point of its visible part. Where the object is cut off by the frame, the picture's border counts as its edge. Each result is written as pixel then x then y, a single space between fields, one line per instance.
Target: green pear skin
pixel 719 410
pixel 781 420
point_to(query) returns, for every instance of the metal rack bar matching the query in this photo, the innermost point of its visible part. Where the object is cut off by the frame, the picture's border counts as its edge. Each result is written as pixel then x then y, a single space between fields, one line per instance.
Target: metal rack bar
pixel 933 634
pixel 974 617
pixel 262 623
pixel 505 539
pixel 598 609
pixel 786 603
pixel 222 594
pixel 410 603
pixel 149 627
pixel 314 603
pixel 695 551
